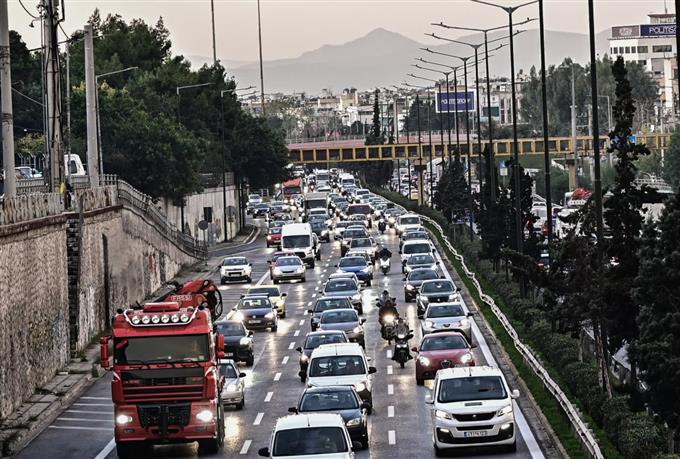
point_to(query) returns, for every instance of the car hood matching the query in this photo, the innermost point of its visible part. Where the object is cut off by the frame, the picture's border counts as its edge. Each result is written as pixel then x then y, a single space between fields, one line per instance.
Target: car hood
pixel 447 354
pixel 233 267
pixel 233 339
pixel 473 406
pixel 343 326
pixel 323 381
pixel 289 268
pixel 230 381
pixel 353 269
pixel 320 456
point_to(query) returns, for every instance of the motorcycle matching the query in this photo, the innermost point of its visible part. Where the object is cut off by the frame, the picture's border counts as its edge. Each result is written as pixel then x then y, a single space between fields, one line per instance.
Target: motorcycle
pixel 382 225
pixel 388 328
pixel 401 352
pixel 385 265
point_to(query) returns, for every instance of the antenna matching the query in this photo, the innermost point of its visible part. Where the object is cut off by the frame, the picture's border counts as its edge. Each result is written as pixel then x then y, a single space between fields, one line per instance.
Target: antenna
pixel 665 7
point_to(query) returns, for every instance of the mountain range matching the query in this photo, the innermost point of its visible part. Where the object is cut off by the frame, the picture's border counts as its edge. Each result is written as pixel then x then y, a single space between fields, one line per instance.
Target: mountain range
pixel 384 58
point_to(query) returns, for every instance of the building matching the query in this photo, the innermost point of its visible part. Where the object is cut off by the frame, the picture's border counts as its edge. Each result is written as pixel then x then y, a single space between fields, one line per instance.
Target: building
pixel 652 45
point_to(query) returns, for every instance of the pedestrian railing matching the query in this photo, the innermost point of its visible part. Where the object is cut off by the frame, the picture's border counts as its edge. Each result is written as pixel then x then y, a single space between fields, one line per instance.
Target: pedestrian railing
pixel 581 428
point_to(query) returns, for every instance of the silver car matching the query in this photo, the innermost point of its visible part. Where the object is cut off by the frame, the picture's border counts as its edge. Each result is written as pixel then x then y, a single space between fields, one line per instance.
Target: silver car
pixel 344 288
pixel 232 383
pixel 447 317
pixel 346 320
pixel 289 268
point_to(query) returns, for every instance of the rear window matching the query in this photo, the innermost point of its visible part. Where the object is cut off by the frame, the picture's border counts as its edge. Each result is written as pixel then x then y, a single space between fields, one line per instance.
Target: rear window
pixel 417 248
pixel 425 274
pixel 310 441
pixel 359 209
pixel 409 220
pixel 443 343
pixel 332 303
pixel 314 341
pixel 442 286
pixel 340 285
pixel 341 316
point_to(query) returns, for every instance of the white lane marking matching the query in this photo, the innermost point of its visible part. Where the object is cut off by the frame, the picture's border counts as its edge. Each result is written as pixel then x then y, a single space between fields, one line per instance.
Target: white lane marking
pixel 291 345
pixel 390 389
pixel 61 418
pixel 390 369
pixel 528 436
pixel 277 376
pixel 390 411
pixel 246 446
pixel 258 419
pixel 95 398
pixel 297 333
pixel 313 295
pixel 261 279
pixel 106 429
pixel 107 449
pixel 285 360
pixel 310 303
pixel 268 397
pixel 391 437
pixel 302 322
pixel 389 353
pixel 90 412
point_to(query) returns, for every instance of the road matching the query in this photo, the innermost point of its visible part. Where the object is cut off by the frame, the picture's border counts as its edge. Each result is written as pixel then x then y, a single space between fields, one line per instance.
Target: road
pixel 400 426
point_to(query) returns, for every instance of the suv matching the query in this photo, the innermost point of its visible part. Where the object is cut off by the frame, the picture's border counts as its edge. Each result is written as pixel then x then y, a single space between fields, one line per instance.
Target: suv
pixel 235 268
pixel 417 247
pixel 472 406
pixel 406 222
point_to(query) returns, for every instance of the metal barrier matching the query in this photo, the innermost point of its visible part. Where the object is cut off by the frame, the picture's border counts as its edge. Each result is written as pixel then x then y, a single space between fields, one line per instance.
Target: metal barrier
pixel 587 438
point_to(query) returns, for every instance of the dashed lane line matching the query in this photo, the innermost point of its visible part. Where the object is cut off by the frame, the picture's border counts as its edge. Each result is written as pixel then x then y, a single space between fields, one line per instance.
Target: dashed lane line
pixel 246 447
pixel 277 376
pixel 268 397
pixel 390 389
pixel 389 353
pixel 291 345
pixel 390 369
pixel 302 322
pixel 392 437
pixel 297 333
pixel 390 411
pixel 285 360
pixel 258 419
pixel 105 429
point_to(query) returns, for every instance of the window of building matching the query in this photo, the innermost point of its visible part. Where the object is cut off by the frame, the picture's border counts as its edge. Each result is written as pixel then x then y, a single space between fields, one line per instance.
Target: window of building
pixel 627 50
pixel 642 62
pixel 614 50
pixel 662 48
pixel 643 49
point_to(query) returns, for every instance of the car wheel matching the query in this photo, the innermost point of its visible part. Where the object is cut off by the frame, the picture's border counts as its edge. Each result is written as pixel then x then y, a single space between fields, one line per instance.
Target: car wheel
pixel 304 279
pixel 318 255
pixel 274 328
pixel 276 281
pixel 420 382
pixel 312 264
pixel 240 406
pixel 368 283
pixel 249 279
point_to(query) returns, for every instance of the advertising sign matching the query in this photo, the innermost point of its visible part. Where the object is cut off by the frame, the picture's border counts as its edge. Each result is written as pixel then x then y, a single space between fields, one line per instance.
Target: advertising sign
pixel 626 31
pixel 657 30
pixel 453 104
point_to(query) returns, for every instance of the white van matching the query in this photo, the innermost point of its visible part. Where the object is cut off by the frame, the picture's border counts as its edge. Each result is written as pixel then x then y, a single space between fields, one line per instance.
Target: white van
pixel 74 166
pixel 299 239
pixel 472 406
pixel 342 364
pixel 347 180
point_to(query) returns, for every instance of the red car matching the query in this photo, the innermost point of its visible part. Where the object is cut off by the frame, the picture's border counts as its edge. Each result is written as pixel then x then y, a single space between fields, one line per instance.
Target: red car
pixel 274 237
pixel 442 350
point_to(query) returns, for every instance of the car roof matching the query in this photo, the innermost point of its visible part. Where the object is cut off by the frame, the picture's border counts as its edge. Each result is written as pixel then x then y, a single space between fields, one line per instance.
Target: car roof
pixel 326 332
pixel 339 309
pixel 307 420
pixel 466 372
pixel 326 350
pixel 416 241
pixel 325 389
pixel 264 285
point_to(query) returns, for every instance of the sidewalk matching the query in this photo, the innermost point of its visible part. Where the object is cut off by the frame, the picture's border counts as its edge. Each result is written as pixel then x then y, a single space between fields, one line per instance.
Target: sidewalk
pixel 50 400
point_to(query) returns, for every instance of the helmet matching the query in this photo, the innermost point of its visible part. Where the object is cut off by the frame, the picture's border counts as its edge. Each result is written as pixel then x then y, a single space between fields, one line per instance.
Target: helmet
pixel 385 292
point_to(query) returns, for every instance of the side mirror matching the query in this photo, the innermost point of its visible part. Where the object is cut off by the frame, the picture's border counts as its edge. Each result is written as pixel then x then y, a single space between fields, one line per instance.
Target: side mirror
pixel 441 276
pixel 470 314
pixel 436 262
pixel 250 333
pixel 241 375
pixel 459 289
pixel 293 410
pixel 372 370
pixel 474 346
pixel 363 321
pixel 219 344
pixel 299 349
pixel 264 452
pixel 104 351
pixel 269 262
pixel 428 399
pixel 284 294
pixel 404 279
pixel 250 264
pixel 414 349
pixel 515 393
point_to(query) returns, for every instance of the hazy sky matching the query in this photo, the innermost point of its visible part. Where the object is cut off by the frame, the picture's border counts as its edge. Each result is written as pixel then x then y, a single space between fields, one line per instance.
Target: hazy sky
pixel 291 27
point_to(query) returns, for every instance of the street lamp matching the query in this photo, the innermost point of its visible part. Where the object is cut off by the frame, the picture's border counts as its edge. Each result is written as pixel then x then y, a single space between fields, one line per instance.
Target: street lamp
pixel 429 130
pixel 546 150
pixel 441 124
pixel 596 127
pixel 96 103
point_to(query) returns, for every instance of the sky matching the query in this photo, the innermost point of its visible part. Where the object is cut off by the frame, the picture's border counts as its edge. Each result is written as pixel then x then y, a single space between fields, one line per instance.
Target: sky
pixel 291 27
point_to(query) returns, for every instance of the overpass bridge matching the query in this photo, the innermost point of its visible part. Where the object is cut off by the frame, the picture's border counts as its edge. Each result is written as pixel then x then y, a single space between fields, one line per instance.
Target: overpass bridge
pixel 355 151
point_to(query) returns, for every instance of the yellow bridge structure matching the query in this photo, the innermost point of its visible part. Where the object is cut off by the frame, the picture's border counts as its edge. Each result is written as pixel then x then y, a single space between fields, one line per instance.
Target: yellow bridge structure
pixel 557 146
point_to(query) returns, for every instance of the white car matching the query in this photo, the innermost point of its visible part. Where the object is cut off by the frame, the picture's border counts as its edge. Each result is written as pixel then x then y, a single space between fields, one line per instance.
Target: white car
pixel 449 316
pixel 415 247
pixel 407 221
pixel 342 365
pixel 233 384
pixel 318 435
pixel 472 406
pixel 235 269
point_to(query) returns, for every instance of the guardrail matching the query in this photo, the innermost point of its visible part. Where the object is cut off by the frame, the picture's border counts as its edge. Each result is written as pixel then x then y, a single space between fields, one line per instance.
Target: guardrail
pixel 587 438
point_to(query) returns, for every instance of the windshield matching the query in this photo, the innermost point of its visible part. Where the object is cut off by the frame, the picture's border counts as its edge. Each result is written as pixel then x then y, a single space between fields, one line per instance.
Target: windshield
pixel 316 203
pixel 337 365
pixel 254 303
pixel 420 260
pixel 271 291
pixel 417 248
pixel 352 262
pixel 295 242
pixel 443 286
pixel 360 242
pixel 231 328
pixel 342 316
pixel 354 233
pixel 314 341
pixel 447 310
pixel 329 401
pixel 291 190
pixel 234 262
pixel 415 235
pixel 318 224
pixel 310 441
pixel 472 388
pixel 425 274
pixel 276 229
pixel 161 349
pixel 228 371
pixel 442 343
pixel 409 220
pixel 359 209
pixel 335 303
pixel 288 261
pixel 340 285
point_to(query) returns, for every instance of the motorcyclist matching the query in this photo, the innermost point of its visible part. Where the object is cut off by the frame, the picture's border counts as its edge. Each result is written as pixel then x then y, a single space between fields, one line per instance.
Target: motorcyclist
pixel 402 332
pixel 387 306
pixel 384 254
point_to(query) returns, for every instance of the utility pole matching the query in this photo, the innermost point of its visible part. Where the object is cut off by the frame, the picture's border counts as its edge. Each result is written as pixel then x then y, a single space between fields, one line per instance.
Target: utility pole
pixel 10 189
pixel 573 171
pixel 54 140
pixel 91 109
pixel 259 37
pixel 214 44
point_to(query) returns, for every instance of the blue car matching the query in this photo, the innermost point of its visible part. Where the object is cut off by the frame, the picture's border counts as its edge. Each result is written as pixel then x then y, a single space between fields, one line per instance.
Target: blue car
pixel 256 312
pixel 357 265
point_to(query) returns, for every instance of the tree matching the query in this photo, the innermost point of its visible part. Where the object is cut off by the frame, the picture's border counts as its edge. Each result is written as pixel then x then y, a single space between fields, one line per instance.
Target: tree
pixel 493 216
pixel 671 170
pixel 453 193
pixel 376 137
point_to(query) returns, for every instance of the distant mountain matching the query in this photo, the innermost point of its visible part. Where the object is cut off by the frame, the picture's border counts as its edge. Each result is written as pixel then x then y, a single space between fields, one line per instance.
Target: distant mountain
pixel 383 58
pixel 198 61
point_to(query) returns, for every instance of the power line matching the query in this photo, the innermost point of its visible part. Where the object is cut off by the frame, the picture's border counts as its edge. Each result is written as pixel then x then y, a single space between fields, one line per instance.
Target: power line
pixel 28 12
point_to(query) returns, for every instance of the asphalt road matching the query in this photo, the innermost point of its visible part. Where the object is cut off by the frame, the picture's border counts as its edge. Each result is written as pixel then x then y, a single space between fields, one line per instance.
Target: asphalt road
pixel 400 426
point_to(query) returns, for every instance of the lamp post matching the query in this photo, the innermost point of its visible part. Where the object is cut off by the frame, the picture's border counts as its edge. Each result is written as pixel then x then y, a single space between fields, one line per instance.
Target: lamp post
pixel 441 130
pixel 96 103
pixel 546 150
pixel 596 127
pixel 429 129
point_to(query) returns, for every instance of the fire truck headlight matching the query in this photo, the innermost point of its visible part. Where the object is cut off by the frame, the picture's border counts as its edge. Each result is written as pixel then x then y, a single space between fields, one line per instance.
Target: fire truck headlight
pixel 184 318
pixel 136 320
pixel 165 318
pixel 205 416
pixel 155 319
pixel 146 320
pixel 123 419
pixel 174 318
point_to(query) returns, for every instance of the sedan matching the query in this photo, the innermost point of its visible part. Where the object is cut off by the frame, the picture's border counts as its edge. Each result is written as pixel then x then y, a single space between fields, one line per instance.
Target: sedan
pixel 420 261
pixel 441 350
pixel 435 291
pixel 260 210
pixel 238 341
pixel 274 293
pixel 345 320
pixel 447 317
pixel 357 265
pixel 256 312
pixel 325 304
pixel 312 341
pixel 232 383
pixel 342 400
pixel 344 288
pixel 289 267
pixel 235 269
pixel 414 280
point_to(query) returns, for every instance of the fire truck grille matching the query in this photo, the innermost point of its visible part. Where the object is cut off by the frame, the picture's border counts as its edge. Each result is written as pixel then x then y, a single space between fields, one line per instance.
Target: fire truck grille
pixel 162 385
pixel 164 415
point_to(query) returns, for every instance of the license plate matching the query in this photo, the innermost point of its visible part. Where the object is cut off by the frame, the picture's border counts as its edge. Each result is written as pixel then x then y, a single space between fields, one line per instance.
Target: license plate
pixel 234 274
pixel 180 298
pixel 229 354
pixel 475 433
pixel 254 321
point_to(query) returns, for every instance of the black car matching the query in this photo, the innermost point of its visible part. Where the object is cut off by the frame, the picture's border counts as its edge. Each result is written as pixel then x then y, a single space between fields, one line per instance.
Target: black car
pixel 342 400
pixel 414 280
pixel 261 210
pixel 325 304
pixel 314 340
pixel 238 341
pixel 435 291
pixel 320 228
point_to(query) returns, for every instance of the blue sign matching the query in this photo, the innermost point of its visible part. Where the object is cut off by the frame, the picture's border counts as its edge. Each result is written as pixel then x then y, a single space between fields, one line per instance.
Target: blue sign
pixel 657 30
pixel 453 104
pixel 632 138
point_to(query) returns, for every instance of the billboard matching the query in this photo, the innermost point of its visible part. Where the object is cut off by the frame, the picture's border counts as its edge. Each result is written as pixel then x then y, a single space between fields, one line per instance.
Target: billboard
pixel 657 30
pixel 453 104
pixel 626 31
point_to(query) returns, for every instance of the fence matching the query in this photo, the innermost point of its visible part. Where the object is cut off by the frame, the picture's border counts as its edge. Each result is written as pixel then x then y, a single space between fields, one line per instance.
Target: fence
pixel 30 207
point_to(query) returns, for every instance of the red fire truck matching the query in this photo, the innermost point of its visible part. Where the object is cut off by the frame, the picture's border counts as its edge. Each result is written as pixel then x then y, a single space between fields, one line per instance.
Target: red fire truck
pixel 166 382
pixel 292 189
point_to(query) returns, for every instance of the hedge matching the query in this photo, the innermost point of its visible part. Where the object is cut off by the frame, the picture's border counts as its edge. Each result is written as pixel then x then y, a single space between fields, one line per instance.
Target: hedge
pixel 634 434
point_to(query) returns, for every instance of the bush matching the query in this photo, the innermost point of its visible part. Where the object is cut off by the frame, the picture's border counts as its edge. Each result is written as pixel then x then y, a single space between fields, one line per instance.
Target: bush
pixel 640 437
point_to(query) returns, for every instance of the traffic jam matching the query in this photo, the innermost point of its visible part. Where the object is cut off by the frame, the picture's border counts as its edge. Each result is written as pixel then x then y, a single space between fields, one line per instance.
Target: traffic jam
pixel 337 332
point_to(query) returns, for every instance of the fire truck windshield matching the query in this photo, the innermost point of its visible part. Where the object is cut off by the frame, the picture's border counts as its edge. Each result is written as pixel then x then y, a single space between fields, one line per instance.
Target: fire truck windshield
pixel 161 349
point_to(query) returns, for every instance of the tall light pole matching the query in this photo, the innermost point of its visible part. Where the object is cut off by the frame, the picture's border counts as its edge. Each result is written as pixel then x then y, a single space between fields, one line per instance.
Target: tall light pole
pixel 259 37
pixel 546 150
pixel 441 132
pixel 7 114
pixel 448 105
pixel 596 127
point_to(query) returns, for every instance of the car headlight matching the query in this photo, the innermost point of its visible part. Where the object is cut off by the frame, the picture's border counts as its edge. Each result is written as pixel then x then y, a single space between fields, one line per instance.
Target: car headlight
pixel 408 269
pixel 205 416
pixel 361 387
pixel 244 341
pixel 269 238
pixel 505 410
pixel 466 358
pixel 357 329
pixel 429 324
pixel 277 271
pixel 269 315
pixel 354 422
pixel 410 287
pixel 464 323
pixel 424 361
pixel 356 297
pixel 232 388
pixel 123 419
pixel 442 414
pixel 304 358
pixel 324 232
pixel 301 269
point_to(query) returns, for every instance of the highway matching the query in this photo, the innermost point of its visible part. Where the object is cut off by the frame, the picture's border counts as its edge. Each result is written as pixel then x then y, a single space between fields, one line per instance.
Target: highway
pixel 400 426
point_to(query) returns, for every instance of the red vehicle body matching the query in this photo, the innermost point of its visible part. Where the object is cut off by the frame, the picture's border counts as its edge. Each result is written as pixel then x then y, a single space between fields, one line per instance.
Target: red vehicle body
pixel 291 189
pixel 195 293
pixel 166 383
pixel 442 350
pixel 274 237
